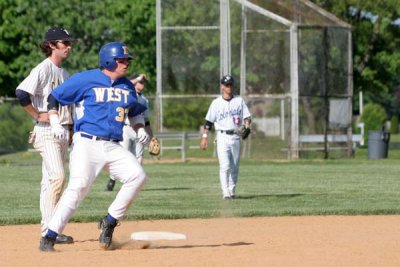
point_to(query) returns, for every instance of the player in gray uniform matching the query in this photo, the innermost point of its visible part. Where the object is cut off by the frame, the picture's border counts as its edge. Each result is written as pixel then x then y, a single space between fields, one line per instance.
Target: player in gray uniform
pixel 130 140
pixel 228 112
pixel 52 143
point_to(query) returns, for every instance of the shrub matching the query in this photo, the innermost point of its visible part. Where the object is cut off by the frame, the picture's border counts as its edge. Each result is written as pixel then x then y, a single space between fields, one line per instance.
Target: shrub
pixel 15 125
pixel 373 117
pixel 394 125
pixel 187 114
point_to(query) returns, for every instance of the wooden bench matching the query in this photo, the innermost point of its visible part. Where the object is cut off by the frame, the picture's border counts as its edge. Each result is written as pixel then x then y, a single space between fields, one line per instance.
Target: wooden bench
pixel 183 137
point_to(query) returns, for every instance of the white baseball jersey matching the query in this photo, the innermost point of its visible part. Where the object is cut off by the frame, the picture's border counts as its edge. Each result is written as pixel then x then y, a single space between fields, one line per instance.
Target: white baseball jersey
pixel 39 84
pixel 228 116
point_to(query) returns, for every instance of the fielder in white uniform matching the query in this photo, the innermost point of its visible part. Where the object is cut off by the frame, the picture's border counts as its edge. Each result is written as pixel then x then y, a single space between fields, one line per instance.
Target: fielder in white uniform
pixel 227 112
pixel 130 140
pixel 104 97
pixel 32 94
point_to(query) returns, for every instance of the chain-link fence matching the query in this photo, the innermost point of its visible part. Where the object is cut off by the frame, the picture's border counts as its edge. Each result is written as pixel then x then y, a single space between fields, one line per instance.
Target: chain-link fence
pixel 292 61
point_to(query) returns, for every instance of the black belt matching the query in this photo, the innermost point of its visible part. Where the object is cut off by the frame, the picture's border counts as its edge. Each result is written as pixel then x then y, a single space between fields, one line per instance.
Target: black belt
pixel 98 138
pixel 230 132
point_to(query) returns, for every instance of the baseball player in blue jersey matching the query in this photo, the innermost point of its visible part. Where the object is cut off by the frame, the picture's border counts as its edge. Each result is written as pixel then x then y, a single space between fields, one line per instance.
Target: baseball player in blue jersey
pixel 104 97
pixel 229 113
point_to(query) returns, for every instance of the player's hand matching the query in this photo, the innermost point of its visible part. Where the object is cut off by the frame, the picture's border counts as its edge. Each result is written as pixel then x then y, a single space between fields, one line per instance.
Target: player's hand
pixel 42 117
pixel 143 137
pixel 58 131
pixel 141 78
pixel 204 143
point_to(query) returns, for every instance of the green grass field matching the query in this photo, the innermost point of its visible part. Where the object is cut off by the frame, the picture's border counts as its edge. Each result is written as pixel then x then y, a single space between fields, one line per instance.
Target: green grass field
pixel 191 190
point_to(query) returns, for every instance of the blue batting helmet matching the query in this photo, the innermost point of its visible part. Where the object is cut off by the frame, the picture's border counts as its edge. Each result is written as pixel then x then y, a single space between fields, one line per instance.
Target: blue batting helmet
pixel 109 52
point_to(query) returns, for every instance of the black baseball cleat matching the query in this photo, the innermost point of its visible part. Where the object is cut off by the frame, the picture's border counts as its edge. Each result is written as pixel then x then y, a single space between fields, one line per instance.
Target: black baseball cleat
pixel 107 230
pixel 64 239
pixel 47 244
pixel 110 185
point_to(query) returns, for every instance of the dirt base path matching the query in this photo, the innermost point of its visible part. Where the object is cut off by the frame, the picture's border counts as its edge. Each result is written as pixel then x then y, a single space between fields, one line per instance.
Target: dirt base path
pixel 267 241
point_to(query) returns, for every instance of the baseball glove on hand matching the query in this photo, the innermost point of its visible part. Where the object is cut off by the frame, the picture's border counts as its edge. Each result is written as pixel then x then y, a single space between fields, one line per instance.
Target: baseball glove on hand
pixel 154 147
pixel 243 131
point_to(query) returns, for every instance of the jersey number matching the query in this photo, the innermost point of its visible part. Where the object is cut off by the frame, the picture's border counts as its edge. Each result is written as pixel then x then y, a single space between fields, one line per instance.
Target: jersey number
pixel 121 114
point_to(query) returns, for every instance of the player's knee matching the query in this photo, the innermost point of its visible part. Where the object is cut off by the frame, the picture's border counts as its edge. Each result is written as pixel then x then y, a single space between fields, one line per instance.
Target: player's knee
pixel 138 178
pixel 224 168
pixel 58 176
pixel 142 178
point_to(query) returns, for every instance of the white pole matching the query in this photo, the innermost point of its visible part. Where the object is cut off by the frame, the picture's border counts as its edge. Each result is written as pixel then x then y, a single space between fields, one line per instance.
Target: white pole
pixel 158 99
pixel 282 119
pixel 294 92
pixel 243 45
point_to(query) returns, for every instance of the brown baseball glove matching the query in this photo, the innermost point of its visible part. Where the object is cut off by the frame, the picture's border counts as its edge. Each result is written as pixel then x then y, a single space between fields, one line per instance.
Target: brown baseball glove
pixel 154 147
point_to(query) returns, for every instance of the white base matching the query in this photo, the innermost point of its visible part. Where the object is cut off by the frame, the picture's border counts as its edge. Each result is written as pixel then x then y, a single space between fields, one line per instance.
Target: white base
pixel 157 235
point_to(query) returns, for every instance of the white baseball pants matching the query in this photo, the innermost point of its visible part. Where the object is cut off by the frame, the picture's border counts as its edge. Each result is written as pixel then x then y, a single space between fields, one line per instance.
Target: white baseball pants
pixel 228 151
pixel 88 157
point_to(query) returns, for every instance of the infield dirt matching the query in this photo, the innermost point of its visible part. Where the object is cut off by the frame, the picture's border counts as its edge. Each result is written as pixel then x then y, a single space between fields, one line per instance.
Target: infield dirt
pixel 264 241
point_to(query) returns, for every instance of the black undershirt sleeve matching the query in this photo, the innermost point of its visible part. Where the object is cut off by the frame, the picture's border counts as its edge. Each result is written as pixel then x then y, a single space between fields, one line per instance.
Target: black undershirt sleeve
pixel 23 97
pixel 208 125
pixel 52 103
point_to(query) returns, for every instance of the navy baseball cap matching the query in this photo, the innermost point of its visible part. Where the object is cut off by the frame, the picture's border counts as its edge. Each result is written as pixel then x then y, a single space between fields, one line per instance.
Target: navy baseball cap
pixel 58 33
pixel 227 80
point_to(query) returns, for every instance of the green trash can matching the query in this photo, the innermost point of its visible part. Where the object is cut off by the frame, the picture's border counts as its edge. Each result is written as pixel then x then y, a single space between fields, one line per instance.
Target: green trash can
pixel 378 144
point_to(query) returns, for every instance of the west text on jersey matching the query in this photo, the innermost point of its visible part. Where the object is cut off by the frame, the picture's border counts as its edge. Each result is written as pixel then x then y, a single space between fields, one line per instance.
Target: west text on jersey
pixel 111 94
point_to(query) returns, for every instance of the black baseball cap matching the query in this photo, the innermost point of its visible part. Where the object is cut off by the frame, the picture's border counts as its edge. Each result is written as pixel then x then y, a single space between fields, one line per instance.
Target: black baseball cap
pixel 58 33
pixel 227 80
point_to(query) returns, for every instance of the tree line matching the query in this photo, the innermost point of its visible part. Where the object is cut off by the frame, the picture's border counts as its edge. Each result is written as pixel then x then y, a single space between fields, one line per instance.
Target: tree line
pixel 375 31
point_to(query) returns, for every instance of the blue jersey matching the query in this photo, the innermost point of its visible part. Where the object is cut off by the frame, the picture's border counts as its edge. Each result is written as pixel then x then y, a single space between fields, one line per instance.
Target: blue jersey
pixel 101 104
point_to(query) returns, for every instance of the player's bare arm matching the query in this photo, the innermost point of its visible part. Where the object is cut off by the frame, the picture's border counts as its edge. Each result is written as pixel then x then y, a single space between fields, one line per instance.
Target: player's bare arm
pixel 204 136
pixel 24 99
pixel 35 114
pixel 247 122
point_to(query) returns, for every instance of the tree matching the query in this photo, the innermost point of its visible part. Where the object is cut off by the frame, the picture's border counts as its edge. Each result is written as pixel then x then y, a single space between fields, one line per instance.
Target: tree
pixel 93 23
pixel 376 40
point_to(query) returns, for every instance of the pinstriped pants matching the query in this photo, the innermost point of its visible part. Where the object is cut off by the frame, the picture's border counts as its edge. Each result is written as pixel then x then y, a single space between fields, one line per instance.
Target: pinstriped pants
pixel 53 152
